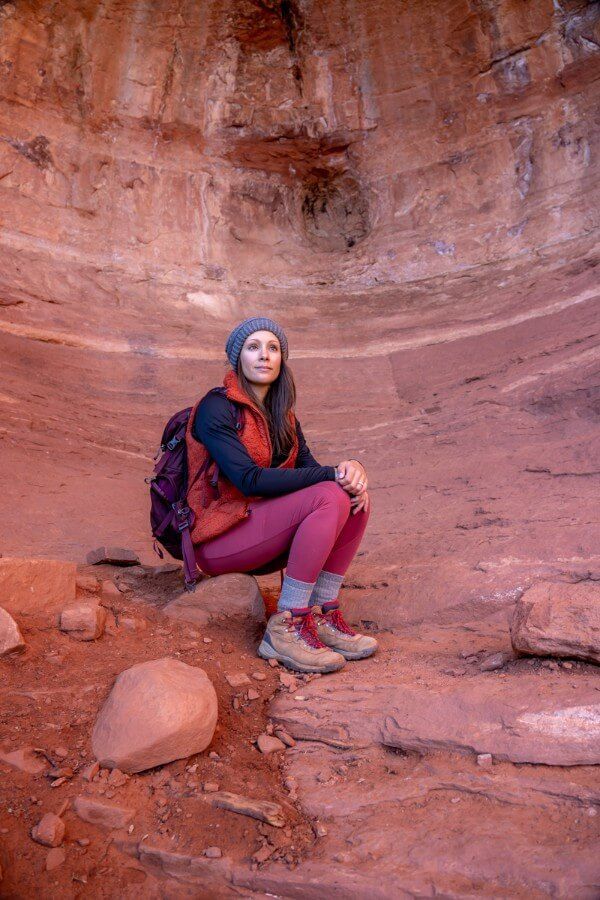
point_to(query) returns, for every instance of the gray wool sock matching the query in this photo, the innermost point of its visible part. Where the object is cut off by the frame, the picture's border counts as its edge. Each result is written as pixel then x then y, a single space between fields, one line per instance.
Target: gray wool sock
pixel 326 589
pixel 294 594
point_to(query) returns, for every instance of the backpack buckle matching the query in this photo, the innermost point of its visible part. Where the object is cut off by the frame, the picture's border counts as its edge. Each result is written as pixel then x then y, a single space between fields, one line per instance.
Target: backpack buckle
pixel 173 443
pixel 183 516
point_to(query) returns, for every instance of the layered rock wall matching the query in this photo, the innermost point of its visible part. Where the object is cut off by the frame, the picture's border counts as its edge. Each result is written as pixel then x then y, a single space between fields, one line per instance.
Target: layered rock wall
pixel 162 164
pixel 411 189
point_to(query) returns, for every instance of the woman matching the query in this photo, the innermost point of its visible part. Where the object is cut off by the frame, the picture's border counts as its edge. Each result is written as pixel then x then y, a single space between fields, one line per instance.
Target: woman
pixel 260 499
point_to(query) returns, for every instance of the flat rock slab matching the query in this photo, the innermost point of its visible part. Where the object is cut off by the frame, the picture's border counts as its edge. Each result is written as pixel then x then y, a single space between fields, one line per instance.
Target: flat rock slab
pixel 558 619
pixel 521 719
pixel 102 813
pixel 25 760
pixel 157 711
pixel 218 598
pixel 263 810
pixel 29 586
pixel 114 556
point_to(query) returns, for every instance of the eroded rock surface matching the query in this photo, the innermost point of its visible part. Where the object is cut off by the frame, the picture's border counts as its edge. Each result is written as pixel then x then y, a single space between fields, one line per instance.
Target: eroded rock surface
pixel 518 719
pixel 558 620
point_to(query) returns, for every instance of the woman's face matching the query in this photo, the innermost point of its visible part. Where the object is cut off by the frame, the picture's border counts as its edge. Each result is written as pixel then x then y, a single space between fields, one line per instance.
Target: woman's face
pixel 261 357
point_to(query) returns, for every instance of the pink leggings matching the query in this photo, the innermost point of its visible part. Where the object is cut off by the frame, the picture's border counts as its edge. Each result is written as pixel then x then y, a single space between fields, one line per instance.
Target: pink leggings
pixel 313 527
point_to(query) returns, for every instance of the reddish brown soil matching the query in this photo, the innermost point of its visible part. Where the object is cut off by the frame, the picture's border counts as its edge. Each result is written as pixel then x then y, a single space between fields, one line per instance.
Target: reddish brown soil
pixel 54 692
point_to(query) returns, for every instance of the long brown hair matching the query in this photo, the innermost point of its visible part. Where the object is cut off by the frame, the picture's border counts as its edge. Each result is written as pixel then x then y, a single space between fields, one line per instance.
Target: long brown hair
pixel 281 397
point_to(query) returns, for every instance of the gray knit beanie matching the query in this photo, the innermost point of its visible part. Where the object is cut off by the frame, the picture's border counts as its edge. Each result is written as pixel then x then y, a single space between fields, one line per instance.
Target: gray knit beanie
pixel 236 339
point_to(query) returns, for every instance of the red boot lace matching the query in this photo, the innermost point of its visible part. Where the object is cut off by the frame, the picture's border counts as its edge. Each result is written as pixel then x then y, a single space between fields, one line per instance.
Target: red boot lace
pixel 337 620
pixel 307 630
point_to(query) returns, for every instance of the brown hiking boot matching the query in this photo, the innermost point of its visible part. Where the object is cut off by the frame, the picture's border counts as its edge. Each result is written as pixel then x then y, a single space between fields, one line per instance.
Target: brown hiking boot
pixel 294 642
pixel 335 632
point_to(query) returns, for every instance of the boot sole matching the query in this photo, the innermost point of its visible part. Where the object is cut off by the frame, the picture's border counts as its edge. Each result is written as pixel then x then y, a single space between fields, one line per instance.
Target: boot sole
pixel 265 651
pixel 351 656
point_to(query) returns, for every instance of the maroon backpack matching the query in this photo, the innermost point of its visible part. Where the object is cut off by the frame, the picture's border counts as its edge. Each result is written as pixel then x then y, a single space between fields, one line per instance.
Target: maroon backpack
pixel 170 516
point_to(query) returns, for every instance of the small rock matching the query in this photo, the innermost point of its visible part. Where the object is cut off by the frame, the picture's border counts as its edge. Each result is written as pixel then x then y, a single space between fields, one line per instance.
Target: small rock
pixel 485 760
pixel 11 639
pixel 273 663
pixel 55 858
pixel 61 752
pixel 207 640
pixel 259 676
pixel 567 665
pixel 213 755
pixel 62 772
pixel 83 620
pixel 287 739
pixel 288 680
pixel 210 787
pixel 49 831
pixel 320 830
pixel 213 853
pixel 117 778
pixel 110 591
pixel 83 842
pixel 114 556
pixel 90 771
pixel 263 854
pixel 252 694
pixel 237 679
pixel 268 744
pixel 58 782
pixel 495 661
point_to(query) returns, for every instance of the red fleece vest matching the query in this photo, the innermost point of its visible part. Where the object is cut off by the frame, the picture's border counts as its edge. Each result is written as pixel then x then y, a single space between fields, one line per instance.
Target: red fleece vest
pixel 217 511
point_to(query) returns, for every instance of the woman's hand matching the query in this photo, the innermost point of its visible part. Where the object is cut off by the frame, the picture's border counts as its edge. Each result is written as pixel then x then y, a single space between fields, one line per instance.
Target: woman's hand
pixel 352 476
pixel 361 501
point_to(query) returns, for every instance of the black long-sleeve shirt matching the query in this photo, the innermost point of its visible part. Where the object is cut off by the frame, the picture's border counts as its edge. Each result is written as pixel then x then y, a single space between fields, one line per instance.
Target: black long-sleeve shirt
pixel 214 426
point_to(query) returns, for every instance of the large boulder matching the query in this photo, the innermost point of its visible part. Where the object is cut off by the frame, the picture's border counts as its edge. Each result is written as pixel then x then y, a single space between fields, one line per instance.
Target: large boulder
pixel 11 639
pixel 558 619
pixel 83 620
pixel 157 711
pixel 219 598
pixel 35 585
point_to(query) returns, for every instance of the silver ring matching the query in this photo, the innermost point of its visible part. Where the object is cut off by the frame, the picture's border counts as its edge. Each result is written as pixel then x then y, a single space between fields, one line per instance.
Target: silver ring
pixel 360 484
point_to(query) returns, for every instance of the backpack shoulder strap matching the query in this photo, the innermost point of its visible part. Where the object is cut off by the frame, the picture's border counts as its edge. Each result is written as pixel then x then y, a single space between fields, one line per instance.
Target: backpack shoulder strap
pixel 237 409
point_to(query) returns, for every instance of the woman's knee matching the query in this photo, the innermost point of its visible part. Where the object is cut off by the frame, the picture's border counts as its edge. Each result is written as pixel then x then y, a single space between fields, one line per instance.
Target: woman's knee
pixel 331 492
